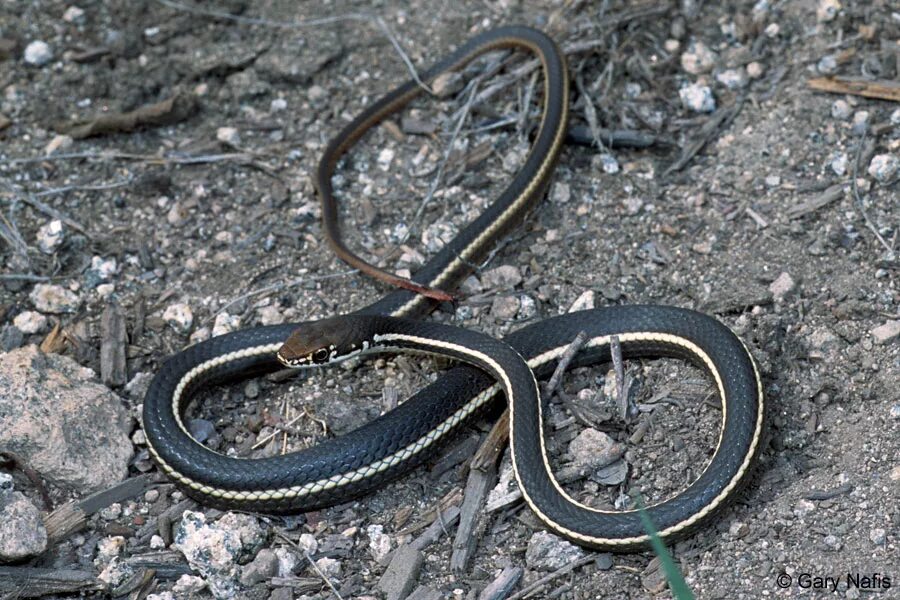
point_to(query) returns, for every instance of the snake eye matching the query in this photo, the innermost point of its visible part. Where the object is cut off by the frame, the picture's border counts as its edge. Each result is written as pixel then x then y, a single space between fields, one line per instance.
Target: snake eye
pixel 320 355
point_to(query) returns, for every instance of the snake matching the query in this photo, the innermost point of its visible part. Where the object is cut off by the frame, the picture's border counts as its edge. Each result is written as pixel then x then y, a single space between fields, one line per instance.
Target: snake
pixel 346 467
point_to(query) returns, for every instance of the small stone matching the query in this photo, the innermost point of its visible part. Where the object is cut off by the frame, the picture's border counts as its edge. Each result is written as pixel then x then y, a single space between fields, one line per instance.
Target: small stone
pixel 54 299
pixel 287 561
pixel 841 109
pixel 329 567
pixel 738 529
pixel 38 53
pixel 502 277
pixel 201 429
pixel 895 414
pixel 594 448
pixel 804 507
pixel 878 536
pixel 733 79
pixel 895 474
pixel 584 302
pixel 447 84
pixel 22 531
pixel 839 163
pixel 228 135
pixel 270 315
pixel 832 542
pixel 697 97
pixel 608 163
pixel 179 316
pixel 772 30
pixel 59 142
pixel 7 486
pixel 827 65
pixel 108 549
pixel 895 117
pixel 860 123
pixel 827 10
pixel 527 307
pixel 561 193
pixel 385 158
pixel 50 236
pixel 883 167
pixel 157 543
pixel 438 235
pixel 103 269
pixel 260 569
pixel 278 105
pixel 886 332
pixel 755 70
pixel 29 322
pixel 505 307
pixel 74 14
pixel 212 551
pixel 225 323
pixel 379 542
pixel 548 552
pixel 111 512
pixel 773 181
pixel 310 545
pixel 783 285
pixel 177 214
pixel 698 58
pixel 188 586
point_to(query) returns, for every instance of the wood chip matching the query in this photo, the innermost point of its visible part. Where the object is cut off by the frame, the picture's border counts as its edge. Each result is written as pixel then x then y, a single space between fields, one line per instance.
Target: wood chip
pixel 833 193
pixel 112 346
pixel 882 89
pixel 27 582
pixel 401 575
pixel 500 587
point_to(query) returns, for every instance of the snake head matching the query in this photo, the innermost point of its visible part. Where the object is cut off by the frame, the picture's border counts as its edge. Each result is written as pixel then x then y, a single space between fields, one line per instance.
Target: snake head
pixel 322 342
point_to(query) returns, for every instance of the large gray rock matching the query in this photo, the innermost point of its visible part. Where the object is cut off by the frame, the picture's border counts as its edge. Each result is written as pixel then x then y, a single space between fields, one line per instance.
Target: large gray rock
pixel 22 531
pixel 69 428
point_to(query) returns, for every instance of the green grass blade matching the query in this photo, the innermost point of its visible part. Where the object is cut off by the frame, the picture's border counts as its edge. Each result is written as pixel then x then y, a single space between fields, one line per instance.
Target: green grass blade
pixel 680 589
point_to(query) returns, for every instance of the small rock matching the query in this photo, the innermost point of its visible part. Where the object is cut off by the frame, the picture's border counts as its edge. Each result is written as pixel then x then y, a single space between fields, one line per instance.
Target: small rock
pixel 878 536
pixel 188 586
pixel 270 315
pixel 895 117
pixel 310 545
pixel 561 193
pixel 733 79
pixel 548 552
pixel 111 512
pixel 379 542
pixel 594 448
pixel 804 507
pixel 608 163
pixel 502 277
pixel 7 485
pixel 248 529
pixel 698 98
pixel 115 573
pixel 50 236
pixel 385 158
pixel 29 322
pixel 895 414
pixel 438 235
pixel 401 574
pixel 212 551
pixel 883 167
pixel 38 53
pixel 886 332
pixel 177 214
pixel 755 70
pixel 773 181
pixel 527 307
pixel 22 531
pixel 827 10
pixel 447 83
pixel 201 429
pixel 783 285
pixel 839 163
pixel 698 58
pixel 278 105
pixel 329 567
pixel 179 316
pixel 738 529
pixel 827 65
pixel 470 286
pixel 69 428
pixel 841 109
pixel 860 123
pixel 74 14
pixel 157 543
pixel 772 30
pixel 505 307
pixel 101 270
pixel 228 135
pixel 108 549
pixel 167 596
pixel 225 323
pixel 54 299
pixel 260 569
pixel 832 542
pixel 584 302
pixel 287 561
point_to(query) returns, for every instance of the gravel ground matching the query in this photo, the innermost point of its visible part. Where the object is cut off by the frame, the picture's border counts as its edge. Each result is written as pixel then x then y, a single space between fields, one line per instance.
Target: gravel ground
pixel 195 215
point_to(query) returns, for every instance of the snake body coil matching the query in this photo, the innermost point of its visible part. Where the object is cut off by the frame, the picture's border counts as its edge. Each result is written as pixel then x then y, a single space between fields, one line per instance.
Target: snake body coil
pixel 345 467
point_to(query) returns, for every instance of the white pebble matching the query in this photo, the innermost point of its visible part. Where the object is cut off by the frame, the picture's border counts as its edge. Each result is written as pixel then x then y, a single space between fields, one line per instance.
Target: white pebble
pixel 29 322
pixel 74 14
pixel 755 70
pixel 840 109
pixel 698 58
pixel 883 167
pixel 38 53
pixel 228 135
pixel 179 316
pixel 733 79
pixel 50 236
pixel 385 157
pixel 225 323
pixel 827 10
pixel 697 97
pixel 839 164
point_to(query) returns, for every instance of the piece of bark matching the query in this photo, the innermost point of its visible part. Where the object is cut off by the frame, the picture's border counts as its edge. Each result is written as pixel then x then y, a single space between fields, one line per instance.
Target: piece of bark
pixel 28 582
pixel 882 89
pixel 112 346
pixel 171 110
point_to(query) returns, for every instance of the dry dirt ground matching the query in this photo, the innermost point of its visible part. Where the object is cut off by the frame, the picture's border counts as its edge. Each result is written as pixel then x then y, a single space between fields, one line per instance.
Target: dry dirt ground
pixel 752 229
